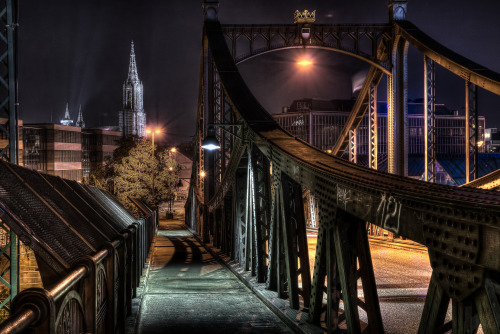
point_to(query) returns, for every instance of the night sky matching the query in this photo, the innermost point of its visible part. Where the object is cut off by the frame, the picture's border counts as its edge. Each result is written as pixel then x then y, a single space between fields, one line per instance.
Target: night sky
pixel 77 52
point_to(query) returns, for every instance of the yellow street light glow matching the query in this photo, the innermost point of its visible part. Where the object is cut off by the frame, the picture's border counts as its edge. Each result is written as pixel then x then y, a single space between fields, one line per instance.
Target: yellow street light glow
pixel 170 168
pixel 148 131
pixel 173 149
pixel 304 62
pixel 202 173
pixel 157 131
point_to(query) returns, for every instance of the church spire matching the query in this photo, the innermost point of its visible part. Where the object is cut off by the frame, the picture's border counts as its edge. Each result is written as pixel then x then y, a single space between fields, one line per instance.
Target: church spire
pixel 79 120
pixel 67 120
pixel 132 67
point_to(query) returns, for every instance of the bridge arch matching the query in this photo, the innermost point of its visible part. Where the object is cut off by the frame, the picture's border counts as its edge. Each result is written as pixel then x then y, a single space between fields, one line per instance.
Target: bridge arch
pixel 360 41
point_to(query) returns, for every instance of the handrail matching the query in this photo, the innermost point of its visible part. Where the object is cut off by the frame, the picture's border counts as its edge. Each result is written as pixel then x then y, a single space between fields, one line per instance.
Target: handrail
pixel 36 306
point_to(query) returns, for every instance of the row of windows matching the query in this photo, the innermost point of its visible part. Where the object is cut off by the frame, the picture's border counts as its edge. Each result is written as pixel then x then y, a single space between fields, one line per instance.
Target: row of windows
pixel 326 128
pixel 90 140
pixel 64 156
pixel 60 136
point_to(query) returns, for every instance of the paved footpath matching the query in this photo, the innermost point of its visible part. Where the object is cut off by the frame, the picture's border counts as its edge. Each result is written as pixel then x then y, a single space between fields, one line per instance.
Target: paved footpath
pixel 188 291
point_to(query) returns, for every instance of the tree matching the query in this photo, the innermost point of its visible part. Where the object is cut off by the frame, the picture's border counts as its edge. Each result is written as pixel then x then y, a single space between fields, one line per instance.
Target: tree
pixel 141 174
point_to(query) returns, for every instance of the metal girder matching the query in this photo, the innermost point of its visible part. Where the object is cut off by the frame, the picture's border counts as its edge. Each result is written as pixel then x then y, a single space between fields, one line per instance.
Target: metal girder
pixel 467 313
pixel 358 111
pixel 240 198
pixel 397 113
pixel 218 115
pixel 353 145
pixel 276 277
pixel 372 128
pixel 248 41
pixel 363 100
pixel 430 120
pixel 471 132
pixel 295 242
pixel 261 211
pixel 342 245
pixel 8 110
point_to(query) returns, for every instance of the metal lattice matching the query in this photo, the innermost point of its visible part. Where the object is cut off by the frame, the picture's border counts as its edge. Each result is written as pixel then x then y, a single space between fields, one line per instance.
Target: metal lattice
pixel 471 132
pixel 9 278
pixel 372 128
pixel 430 120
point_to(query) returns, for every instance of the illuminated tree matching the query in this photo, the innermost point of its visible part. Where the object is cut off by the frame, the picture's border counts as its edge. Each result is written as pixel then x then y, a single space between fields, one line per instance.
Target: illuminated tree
pixel 135 172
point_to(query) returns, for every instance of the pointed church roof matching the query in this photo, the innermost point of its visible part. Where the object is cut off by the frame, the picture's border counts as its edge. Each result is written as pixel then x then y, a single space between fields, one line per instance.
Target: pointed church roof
pixel 132 67
pixel 79 120
pixel 66 120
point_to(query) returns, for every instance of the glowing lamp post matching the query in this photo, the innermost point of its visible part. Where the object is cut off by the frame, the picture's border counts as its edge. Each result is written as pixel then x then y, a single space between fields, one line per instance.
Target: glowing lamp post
pixel 304 62
pixel 152 133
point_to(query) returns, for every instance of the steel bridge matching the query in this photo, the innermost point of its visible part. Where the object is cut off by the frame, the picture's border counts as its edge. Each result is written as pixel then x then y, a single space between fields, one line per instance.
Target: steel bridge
pixel 246 198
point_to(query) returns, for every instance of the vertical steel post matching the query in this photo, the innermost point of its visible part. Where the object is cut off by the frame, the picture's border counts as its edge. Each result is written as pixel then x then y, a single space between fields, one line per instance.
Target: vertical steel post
pixel 390 127
pixel 471 132
pixel 430 120
pixel 372 128
pixel 352 145
pixel 397 119
pixel 8 89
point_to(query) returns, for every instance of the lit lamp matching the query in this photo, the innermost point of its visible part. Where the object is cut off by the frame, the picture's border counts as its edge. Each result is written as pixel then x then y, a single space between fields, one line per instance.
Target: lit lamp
pixel 152 133
pixel 210 142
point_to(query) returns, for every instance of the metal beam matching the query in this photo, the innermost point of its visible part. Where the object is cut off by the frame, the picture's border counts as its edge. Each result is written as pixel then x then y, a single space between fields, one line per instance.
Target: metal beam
pixel 8 90
pixel 430 120
pixel 372 129
pixel 471 132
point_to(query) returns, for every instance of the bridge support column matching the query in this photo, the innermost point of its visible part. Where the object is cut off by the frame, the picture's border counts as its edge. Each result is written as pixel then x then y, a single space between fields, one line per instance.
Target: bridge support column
pixel 372 128
pixel 482 307
pixel 342 243
pixel 397 115
pixel 295 242
pixel 276 277
pixel 240 203
pixel 261 203
pixel 353 149
pixel 430 120
pixel 471 132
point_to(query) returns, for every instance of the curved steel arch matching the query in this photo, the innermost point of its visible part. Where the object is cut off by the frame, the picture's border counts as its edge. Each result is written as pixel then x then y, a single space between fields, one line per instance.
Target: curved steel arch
pixel 452 61
pixel 340 38
pixel 459 226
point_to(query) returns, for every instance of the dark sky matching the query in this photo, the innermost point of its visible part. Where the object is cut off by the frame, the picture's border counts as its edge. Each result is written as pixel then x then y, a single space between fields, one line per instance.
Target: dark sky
pixel 78 52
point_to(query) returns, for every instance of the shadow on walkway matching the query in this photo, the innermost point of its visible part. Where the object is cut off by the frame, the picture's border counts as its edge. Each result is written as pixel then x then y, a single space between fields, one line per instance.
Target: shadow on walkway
pixel 188 291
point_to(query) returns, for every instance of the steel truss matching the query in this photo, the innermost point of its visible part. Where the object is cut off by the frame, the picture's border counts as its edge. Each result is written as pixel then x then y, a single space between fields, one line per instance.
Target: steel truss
pixel 372 129
pixel 8 110
pixel 342 243
pixel 471 132
pixel 430 120
pixel 359 40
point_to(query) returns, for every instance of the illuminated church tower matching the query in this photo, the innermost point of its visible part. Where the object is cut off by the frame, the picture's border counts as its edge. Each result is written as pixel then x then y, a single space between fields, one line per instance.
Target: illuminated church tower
pixel 132 117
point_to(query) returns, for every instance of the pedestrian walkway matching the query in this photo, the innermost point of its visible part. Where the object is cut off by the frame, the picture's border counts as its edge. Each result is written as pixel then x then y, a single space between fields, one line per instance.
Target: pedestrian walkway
pixel 188 291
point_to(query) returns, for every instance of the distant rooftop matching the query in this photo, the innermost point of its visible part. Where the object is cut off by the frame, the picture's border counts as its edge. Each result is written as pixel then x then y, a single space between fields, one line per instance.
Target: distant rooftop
pixel 415 106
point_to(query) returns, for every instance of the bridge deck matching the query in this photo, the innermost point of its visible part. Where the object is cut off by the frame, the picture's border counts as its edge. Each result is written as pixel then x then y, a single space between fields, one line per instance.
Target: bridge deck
pixel 188 291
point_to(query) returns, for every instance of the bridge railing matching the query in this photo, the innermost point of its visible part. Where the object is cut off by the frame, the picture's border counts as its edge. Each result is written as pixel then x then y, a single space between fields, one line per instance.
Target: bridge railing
pixel 84 291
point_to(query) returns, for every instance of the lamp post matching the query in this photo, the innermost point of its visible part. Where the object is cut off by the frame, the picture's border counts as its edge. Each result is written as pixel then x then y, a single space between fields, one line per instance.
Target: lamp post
pixel 152 133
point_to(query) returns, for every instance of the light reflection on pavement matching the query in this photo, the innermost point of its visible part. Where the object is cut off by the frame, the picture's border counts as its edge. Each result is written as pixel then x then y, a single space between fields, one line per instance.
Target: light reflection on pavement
pixel 402 278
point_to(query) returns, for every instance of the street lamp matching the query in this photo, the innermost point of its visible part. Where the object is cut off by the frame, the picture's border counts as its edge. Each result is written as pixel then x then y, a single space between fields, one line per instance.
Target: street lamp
pixel 210 142
pixel 152 133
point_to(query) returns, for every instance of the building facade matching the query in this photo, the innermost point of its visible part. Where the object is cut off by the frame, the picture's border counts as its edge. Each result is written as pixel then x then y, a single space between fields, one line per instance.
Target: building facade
pixel 66 151
pixel 320 123
pixel 132 119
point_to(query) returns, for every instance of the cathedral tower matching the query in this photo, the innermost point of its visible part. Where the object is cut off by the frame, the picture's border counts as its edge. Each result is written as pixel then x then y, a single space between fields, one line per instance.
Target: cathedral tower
pixel 132 119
